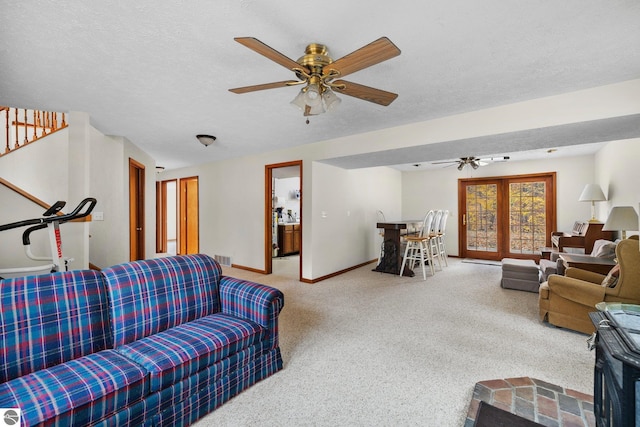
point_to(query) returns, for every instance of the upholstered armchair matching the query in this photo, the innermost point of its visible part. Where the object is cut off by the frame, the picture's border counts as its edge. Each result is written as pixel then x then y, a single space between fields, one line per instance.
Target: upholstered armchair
pixel 566 301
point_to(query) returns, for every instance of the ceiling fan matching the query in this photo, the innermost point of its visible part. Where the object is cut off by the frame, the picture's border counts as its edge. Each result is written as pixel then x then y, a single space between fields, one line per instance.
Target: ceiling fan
pixel 474 162
pixel 321 75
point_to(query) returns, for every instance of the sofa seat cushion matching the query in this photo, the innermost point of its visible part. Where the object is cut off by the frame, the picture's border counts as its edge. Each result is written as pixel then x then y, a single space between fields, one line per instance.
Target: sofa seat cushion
pixel 182 351
pixel 77 392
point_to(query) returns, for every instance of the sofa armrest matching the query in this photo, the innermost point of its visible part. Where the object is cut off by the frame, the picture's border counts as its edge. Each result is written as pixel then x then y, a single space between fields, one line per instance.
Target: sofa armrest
pixel 587 276
pixel 579 291
pixel 259 303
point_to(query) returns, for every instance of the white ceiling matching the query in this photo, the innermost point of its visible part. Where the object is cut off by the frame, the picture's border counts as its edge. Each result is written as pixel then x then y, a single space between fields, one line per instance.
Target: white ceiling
pixel 158 73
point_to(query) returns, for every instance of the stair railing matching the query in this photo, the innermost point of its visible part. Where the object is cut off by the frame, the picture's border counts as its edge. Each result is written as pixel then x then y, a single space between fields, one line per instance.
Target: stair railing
pixel 23 126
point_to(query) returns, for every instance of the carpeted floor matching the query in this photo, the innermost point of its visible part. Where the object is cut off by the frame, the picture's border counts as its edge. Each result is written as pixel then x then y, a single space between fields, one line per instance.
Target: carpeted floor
pixel 373 349
pixel 482 261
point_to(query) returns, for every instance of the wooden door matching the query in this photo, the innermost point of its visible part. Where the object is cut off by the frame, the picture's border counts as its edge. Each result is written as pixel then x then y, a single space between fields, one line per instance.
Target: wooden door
pixel 136 210
pixel 189 217
pixel 506 217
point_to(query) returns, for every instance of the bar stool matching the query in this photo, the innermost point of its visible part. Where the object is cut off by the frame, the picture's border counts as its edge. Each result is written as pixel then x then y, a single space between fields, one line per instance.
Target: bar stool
pixel 433 237
pixel 419 247
pixel 441 247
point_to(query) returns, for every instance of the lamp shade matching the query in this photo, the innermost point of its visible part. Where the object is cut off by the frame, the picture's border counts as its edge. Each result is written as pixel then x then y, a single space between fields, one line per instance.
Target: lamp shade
pixel 621 218
pixel 592 193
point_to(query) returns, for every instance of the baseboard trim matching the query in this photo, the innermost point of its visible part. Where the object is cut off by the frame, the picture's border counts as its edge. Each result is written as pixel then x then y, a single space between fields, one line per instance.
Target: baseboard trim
pixel 251 269
pixel 337 273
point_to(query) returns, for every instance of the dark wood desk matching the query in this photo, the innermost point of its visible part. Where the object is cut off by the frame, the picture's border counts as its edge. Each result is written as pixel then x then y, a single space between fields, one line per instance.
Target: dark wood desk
pixel 392 257
pixel 586 262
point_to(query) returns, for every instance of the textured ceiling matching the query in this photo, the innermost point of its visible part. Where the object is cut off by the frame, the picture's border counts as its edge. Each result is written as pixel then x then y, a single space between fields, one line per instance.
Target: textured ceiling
pixel 158 73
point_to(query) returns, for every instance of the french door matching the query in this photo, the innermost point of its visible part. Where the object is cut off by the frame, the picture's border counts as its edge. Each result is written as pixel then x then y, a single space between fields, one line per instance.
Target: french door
pixel 506 217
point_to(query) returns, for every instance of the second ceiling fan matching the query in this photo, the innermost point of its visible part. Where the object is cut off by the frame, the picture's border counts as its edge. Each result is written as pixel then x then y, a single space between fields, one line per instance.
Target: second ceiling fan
pixel 321 75
pixel 474 162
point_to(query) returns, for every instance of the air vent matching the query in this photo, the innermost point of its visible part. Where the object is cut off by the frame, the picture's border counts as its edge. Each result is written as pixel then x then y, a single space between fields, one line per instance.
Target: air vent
pixel 223 260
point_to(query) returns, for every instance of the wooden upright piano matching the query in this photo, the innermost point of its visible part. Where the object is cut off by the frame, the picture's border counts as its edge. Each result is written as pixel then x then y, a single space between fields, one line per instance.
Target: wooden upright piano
pixel 583 235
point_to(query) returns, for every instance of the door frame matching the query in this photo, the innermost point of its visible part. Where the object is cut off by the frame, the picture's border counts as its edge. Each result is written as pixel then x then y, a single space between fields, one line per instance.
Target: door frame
pixel 268 214
pixel 503 208
pixel 136 210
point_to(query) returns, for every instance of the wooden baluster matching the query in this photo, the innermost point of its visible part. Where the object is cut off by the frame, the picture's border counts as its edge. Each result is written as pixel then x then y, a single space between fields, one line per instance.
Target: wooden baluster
pixel 64 123
pixel 26 133
pixel 39 121
pixel 6 111
pixel 15 112
pixel 35 135
pixel 54 123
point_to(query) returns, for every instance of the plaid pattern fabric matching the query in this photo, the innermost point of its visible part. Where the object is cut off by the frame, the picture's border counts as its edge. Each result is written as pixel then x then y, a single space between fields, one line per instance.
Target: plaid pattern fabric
pixel 213 394
pixel 153 295
pixel 174 396
pixel 248 300
pixel 77 392
pixel 49 319
pixel 179 352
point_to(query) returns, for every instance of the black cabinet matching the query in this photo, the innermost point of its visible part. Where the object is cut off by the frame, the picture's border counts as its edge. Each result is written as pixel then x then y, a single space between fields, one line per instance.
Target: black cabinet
pixel 616 394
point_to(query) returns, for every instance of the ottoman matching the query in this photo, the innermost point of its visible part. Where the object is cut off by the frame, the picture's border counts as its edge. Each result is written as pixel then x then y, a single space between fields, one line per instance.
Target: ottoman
pixel 520 274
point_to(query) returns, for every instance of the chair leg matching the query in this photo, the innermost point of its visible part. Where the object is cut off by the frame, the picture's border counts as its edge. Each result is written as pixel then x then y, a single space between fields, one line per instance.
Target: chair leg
pixel 442 250
pixel 424 272
pixel 433 247
pixel 404 259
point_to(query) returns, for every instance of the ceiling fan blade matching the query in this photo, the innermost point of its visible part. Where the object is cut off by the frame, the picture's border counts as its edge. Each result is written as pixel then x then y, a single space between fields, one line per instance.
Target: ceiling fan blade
pixel 371 54
pixel 448 161
pixel 264 86
pixel 367 93
pixel 494 159
pixel 266 51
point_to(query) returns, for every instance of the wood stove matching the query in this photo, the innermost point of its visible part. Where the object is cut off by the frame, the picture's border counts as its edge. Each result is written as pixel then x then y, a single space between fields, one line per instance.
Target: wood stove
pixel 616 394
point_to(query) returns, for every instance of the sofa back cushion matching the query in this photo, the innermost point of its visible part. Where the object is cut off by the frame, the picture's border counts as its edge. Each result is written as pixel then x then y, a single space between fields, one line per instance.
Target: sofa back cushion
pixel 49 319
pixel 153 295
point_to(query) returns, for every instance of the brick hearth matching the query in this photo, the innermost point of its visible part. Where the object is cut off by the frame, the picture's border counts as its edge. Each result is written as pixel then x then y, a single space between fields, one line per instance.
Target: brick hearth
pixel 540 401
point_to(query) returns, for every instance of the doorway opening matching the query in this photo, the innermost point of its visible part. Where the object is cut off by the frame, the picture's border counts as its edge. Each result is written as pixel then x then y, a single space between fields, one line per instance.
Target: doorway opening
pixel 167 214
pixel 136 210
pixel 283 218
pixel 177 216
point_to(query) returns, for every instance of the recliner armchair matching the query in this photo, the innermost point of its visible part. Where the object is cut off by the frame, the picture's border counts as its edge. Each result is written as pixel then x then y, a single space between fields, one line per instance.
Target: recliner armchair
pixel 566 301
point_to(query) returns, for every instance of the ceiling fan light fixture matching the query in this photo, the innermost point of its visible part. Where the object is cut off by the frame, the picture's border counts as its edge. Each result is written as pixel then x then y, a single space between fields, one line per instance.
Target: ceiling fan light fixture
pixel 461 166
pixel 298 101
pixel 475 164
pixel 316 110
pixel 331 100
pixel 312 95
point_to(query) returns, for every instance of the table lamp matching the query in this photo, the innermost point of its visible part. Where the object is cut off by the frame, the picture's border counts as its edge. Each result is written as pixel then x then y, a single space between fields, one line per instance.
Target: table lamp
pixel 621 218
pixel 592 193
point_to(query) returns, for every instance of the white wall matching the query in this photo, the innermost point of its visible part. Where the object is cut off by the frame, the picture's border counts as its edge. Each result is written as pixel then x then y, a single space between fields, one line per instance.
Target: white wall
pixel 438 189
pixel 618 173
pixel 344 214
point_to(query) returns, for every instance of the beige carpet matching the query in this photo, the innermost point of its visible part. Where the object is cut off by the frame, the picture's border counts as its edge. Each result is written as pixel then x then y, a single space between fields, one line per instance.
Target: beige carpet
pixel 372 349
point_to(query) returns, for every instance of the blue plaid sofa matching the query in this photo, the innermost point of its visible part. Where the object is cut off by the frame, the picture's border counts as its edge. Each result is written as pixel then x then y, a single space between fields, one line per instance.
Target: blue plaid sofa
pixel 154 342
